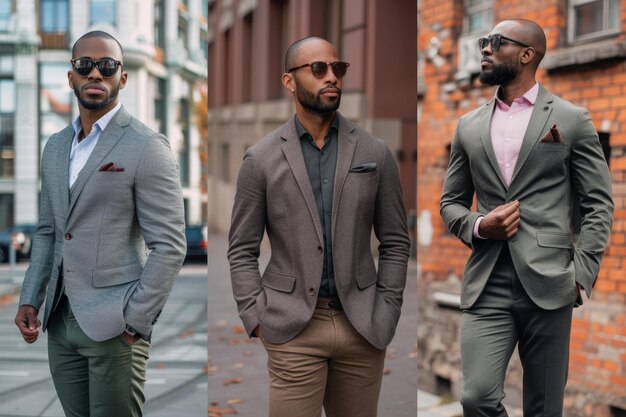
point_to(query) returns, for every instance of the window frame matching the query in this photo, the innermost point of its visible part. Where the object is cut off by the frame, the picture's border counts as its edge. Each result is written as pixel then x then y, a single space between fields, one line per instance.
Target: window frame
pixel 603 33
pixel 115 10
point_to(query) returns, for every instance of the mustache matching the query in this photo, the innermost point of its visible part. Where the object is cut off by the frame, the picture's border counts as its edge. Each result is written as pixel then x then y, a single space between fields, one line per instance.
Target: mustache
pixel 330 89
pixel 486 60
pixel 93 85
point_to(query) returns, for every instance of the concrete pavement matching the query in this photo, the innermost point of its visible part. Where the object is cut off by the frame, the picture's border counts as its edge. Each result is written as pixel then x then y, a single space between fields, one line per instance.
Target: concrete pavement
pixel 176 379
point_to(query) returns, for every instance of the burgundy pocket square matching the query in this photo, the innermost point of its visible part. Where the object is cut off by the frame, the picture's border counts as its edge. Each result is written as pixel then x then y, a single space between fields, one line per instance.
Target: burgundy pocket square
pixel 110 167
pixel 552 135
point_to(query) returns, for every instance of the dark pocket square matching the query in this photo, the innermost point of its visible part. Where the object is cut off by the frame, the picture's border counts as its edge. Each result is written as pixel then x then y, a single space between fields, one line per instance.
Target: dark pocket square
pixel 552 135
pixel 368 167
pixel 110 167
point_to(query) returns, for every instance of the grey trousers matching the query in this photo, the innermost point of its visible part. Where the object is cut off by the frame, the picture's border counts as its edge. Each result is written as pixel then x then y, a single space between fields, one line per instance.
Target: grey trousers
pixel 502 317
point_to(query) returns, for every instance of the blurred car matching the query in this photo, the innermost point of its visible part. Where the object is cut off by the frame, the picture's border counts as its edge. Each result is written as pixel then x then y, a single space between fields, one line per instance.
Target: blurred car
pixel 20 236
pixel 197 243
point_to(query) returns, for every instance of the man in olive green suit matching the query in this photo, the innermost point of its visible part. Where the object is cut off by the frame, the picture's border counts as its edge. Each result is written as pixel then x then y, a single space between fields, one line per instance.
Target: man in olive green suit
pixel 527 156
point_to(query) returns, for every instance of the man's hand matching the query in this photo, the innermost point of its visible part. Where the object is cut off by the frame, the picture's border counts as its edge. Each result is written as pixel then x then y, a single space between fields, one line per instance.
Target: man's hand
pixel 128 338
pixel 501 223
pixel 28 323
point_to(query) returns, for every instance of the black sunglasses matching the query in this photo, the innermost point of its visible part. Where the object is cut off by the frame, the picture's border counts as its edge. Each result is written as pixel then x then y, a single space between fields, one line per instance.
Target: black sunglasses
pixel 319 68
pixel 496 41
pixel 106 66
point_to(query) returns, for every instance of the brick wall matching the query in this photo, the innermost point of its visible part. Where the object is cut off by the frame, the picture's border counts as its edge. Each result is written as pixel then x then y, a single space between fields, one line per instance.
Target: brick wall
pixel 597 378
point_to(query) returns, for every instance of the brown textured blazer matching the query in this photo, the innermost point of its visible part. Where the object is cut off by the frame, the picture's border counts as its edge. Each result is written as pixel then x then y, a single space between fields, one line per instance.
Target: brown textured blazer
pixel 274 195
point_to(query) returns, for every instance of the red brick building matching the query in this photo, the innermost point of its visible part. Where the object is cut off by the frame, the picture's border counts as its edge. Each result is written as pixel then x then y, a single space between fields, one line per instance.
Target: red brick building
pixel 585 64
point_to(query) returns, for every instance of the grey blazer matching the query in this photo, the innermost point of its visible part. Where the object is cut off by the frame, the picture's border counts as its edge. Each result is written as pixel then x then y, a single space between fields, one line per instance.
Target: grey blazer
pixel 118 236
pixel 547 179
pixel 274 195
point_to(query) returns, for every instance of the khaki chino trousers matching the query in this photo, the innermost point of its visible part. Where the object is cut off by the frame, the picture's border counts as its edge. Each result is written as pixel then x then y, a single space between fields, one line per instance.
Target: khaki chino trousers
pixel 328 364
pixel 94 379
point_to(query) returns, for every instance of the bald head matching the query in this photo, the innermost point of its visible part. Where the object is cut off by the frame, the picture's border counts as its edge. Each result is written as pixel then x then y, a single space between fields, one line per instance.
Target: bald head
pixel 293 51
pixel 525 31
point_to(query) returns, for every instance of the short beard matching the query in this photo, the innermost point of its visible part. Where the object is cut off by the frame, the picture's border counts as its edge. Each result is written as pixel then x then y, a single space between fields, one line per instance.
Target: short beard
pixel 500 74
pixel 313 103
pixel 94 105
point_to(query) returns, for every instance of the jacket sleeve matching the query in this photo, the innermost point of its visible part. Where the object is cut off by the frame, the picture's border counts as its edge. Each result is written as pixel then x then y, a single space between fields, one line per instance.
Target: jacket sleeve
pixel 42 253
pixel 245 236
pixel 391 231
pixel 160 214
pixel 458 195
pixel 591 181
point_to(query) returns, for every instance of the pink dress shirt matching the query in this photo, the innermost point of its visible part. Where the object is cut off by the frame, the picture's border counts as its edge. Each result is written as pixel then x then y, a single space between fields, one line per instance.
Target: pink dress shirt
pixel 508 127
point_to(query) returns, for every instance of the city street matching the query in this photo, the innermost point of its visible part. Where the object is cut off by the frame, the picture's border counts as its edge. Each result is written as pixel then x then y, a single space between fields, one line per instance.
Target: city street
pixel 176 382
pixel 237 365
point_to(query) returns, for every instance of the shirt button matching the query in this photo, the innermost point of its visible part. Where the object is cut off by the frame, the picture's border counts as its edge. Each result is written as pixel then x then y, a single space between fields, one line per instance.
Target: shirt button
pixel 68 236
pixel 508 165
pixel 508 139
pixel 325 181
pixel 311 291
pixel 319 249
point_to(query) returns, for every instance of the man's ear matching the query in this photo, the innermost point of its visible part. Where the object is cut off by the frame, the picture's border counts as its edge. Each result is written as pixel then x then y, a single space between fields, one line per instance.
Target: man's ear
pixel 123 79
pixel 527 55
pixel 288 82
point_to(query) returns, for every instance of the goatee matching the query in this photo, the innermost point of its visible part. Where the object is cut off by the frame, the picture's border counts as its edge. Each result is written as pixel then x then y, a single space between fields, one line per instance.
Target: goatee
pixel 501 74
pixel 314 103
pixel 97 105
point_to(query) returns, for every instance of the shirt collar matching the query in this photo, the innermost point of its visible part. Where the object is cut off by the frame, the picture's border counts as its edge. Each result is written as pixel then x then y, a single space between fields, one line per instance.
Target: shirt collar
pixel 302 131
pixel 101 123
pixel 529 97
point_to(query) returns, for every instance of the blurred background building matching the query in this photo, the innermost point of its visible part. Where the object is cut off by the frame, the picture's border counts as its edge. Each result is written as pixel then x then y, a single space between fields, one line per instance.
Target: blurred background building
pixel 585 64
pixel 247 42
pixel 165 55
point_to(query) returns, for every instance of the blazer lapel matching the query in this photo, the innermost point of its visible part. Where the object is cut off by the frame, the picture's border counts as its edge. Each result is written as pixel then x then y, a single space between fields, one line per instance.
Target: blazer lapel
pixel 63 168
pixel 485 137
pixel 536 126
pixel 108 139
pixel 346 144
pixel 293 153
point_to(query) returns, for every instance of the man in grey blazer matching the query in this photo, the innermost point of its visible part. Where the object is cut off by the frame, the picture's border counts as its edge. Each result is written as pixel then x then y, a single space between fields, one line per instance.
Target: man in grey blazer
pixel 527 156
pixel 318 185
pixel 109 242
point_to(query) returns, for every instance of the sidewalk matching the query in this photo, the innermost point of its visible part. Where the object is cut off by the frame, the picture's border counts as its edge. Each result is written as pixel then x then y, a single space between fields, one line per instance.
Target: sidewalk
pixel 11 281
pixel 429 405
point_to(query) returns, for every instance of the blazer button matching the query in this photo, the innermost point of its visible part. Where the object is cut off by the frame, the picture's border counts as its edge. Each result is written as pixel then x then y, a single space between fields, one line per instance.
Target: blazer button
pixel 311 291
pixel 319 249
pixel 68 236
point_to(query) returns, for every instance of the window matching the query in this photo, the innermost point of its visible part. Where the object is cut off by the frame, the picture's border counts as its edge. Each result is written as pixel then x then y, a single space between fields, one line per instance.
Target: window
pixel 103 11
pixel 55 99
pixel 160 95
pixel 5 15
pixel 7 127
pixel 183 154
pixel 53 16
pixel 478 15
pixel 478 22
pixel 589 19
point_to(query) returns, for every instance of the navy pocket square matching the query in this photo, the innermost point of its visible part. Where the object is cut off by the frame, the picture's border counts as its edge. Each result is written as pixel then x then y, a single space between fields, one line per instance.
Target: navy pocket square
pixel 110 167
pixel 362 168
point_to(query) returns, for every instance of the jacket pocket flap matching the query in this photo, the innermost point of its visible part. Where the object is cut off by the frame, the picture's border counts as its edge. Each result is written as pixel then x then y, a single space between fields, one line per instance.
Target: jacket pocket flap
pixel 107 277
pixel 366 278
pixel 278 282
pixel 554 240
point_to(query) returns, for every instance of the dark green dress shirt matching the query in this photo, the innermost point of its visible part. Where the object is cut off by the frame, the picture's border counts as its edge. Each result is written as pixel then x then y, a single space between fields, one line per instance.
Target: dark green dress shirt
pixel 321 165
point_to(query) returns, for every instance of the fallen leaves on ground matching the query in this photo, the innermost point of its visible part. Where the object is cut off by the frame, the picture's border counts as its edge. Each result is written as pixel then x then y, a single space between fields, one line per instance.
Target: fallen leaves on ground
pixel 231 381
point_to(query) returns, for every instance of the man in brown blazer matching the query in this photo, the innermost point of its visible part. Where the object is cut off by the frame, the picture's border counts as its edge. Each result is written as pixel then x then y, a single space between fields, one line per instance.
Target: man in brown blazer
pixel 318 185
